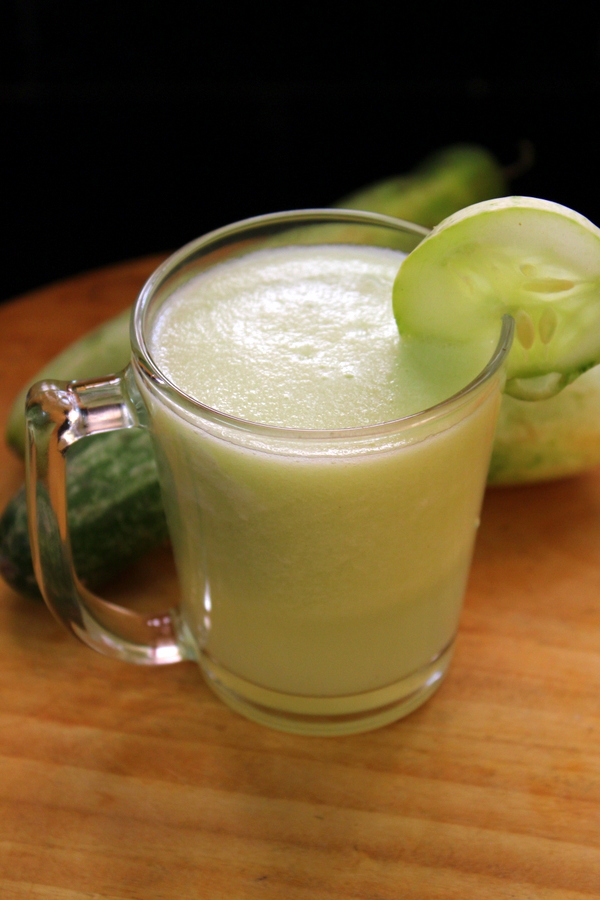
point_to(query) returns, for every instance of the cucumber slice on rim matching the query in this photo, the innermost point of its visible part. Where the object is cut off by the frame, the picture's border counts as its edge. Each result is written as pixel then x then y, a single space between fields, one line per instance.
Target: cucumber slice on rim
pixel 536 260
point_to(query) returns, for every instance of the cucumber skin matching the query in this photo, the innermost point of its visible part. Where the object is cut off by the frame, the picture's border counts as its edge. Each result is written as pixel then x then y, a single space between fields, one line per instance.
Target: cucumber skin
pixel 115 511
pixel 102 351
pixel 443 183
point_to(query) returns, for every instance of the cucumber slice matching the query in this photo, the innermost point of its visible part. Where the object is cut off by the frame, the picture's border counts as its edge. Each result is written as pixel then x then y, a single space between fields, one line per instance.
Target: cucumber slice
pixel 533 259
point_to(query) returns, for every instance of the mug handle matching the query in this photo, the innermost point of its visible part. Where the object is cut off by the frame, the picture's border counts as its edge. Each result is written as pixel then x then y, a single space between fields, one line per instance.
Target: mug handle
pixel 59 413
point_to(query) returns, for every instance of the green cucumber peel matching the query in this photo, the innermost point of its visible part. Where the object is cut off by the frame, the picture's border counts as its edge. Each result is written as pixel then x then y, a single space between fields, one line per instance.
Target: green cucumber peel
pixel 114 506
pixel 102 351
pixel 446 181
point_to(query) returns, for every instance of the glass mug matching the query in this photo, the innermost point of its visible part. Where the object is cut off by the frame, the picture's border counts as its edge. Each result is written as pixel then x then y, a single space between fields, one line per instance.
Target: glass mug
pixel 322 573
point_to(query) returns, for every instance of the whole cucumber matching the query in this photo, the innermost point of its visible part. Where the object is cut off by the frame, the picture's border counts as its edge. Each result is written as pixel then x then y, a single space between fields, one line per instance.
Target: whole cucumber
pixel 115 511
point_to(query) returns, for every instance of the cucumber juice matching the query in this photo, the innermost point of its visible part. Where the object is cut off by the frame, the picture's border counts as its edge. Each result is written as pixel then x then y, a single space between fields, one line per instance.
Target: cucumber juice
pixel 322 571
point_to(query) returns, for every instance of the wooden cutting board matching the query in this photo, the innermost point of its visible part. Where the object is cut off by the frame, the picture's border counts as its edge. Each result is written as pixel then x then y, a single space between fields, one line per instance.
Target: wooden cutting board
pixel 124 782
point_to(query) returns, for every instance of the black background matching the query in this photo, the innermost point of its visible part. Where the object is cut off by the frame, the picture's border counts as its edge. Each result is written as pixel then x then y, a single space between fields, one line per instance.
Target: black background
pixel 132 128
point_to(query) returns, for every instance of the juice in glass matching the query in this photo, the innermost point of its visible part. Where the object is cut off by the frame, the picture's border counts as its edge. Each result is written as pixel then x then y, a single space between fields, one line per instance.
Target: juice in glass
pixel 322 565
pixel 322 478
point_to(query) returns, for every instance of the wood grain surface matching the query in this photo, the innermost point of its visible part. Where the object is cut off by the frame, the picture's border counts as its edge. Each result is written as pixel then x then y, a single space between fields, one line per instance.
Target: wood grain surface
pixel 124 782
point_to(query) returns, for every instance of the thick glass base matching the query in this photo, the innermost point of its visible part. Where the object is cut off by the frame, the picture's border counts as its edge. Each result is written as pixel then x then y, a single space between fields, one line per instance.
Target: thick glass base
pixel 349 714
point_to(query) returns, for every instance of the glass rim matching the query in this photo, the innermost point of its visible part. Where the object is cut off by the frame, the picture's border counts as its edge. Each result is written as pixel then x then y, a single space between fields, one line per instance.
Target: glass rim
pixel 146 364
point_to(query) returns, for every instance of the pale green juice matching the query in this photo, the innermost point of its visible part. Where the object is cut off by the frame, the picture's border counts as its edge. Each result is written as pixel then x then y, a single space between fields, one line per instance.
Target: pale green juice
pixel 318 574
